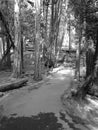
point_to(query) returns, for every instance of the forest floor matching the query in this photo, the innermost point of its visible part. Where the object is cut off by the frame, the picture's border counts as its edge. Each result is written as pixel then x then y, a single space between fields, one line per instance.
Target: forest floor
pixel 43 105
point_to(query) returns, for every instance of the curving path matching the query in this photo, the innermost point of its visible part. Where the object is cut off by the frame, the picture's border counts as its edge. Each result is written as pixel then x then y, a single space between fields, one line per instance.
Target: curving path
pixel 38 109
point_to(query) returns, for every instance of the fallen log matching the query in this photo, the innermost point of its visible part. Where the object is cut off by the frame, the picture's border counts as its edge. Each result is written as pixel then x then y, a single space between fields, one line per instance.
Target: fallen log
pixel 13 84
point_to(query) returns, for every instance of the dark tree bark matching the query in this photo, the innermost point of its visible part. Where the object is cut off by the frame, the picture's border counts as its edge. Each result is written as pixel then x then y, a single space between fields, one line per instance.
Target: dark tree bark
pixel 96 52
pixel 69 33
pixel 22 58
pixel 77 71
pixel 89 61
pixel 51 35
pixel 2 18
pixel 8 59
pixel 4 23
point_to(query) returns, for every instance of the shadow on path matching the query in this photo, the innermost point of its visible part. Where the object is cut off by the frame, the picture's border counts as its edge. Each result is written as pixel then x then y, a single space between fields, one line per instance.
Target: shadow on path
pixel 43 121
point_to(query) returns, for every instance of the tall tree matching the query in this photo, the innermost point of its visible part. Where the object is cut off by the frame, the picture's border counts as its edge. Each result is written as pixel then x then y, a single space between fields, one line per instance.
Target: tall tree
pixel 69 29
pixel 78 8
pixel 8 59
pixel 17 66
pixel 37 72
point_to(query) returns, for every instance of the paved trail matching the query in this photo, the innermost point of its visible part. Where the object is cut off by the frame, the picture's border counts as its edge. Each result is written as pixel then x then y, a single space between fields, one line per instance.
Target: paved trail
pixel 27 102
pixel 39 109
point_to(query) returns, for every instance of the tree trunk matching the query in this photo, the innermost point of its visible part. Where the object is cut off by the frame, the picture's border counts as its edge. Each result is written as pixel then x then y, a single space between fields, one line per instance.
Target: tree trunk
pixel 17 66
pixel 2 18
pixel 8 59
pixel 51 35
pixel 69 34
pixel 89 61
pixel 5 25
pixel 22 60
pixel 3 42
pixel 46 22
pixel 58 11
pixel 95 59
pixel 7 45
pixel 37 72
pixel 77 71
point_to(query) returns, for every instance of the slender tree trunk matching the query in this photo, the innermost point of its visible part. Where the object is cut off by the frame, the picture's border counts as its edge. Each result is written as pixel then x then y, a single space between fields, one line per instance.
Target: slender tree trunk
pixel 95 59
pixel 8 59
pixel 46 35
pixel 3 42
pixel 1 48
pixel 17 66
pixel 22 60
pixel 58 12
pixel 69 34
pixel 2 18
pixel 77 71
pixel 56 8
pixel 51 28
pixel 37 72
pixel 44 46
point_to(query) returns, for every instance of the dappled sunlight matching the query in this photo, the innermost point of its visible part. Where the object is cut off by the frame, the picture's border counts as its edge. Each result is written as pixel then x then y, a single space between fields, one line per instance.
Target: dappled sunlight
pixel 57 76
pixel 60 77
pixel 63 70
pixel 61 73
pixel 93 102
pixel 67 71
pixel 84 113
pixel 57 69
